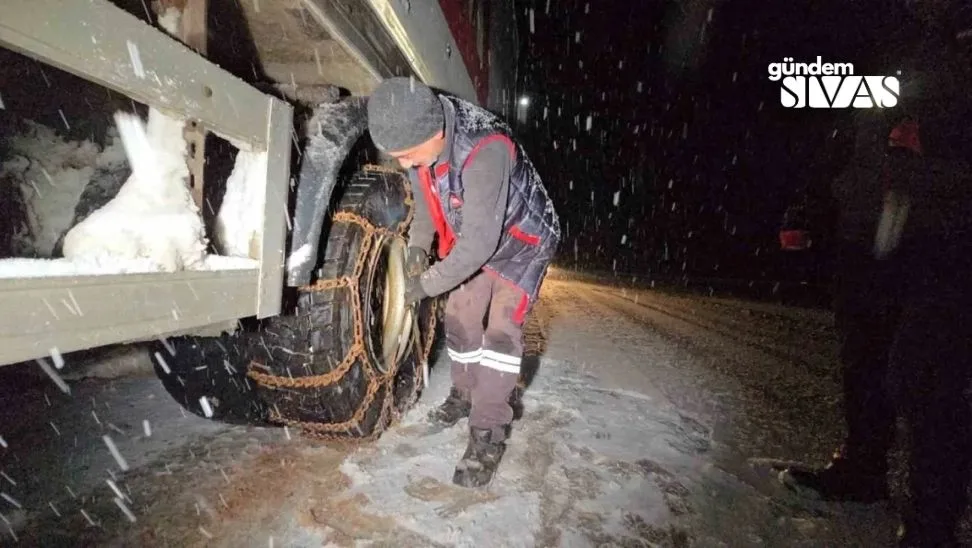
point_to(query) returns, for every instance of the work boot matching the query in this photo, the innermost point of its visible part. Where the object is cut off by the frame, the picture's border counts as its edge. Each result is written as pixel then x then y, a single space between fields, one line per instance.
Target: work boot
pixel 482 457
pixel 455 407
pixel 912 535
pixel 842 480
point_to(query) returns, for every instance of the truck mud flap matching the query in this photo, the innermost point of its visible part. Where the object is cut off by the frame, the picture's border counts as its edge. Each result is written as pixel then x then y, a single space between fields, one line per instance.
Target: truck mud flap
pixel 331 131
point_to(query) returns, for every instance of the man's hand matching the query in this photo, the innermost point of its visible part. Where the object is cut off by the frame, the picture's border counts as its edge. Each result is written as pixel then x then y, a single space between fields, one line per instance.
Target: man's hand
pixel 413 291
pixel 416 261
pixel 891 224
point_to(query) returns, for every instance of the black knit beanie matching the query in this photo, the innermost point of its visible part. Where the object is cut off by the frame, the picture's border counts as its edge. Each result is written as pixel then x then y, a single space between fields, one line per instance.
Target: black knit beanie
pixel 403 113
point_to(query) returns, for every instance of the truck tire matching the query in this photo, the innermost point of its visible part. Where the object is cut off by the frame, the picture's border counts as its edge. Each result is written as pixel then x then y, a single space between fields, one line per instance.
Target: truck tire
pixel 329 369
pixel 320 368
pixel 207 376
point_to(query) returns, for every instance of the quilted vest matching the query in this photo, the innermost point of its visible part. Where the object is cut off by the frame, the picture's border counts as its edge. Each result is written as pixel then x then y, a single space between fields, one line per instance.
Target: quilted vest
pixel 531 229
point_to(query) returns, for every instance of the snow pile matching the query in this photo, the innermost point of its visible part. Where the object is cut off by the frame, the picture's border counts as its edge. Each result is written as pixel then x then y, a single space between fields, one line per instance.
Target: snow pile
pixel 239 224
pixel 40 268
pixel 153 217
pixel 154 227
pixel 52 174
pixel 171 20
pixel 299 257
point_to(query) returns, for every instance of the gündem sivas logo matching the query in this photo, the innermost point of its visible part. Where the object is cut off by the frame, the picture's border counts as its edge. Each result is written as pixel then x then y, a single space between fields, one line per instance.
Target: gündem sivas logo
pixel 831 85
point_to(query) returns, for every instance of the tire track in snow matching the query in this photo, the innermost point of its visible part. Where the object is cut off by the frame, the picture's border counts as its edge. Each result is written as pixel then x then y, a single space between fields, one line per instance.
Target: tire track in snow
pixel 762 406
pixel 816 357
pixel 622 444
pixel 760 398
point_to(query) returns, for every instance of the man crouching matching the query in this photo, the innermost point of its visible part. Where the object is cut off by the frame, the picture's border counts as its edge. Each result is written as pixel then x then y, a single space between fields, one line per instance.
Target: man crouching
pixel 475 189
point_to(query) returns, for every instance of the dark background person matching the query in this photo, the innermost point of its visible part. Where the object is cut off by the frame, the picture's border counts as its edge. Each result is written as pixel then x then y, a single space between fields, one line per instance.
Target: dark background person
pixel 902 300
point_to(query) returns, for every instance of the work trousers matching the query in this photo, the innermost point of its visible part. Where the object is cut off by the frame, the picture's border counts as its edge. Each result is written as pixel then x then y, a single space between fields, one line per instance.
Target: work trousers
pixel 905 331
pixel 485 357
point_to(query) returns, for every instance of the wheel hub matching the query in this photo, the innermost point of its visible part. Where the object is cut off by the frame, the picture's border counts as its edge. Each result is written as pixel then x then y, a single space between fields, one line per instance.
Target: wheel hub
pixel 397 320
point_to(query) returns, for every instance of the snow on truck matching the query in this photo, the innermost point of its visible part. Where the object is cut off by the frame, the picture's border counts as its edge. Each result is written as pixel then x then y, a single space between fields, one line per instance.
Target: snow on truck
pixel 231 212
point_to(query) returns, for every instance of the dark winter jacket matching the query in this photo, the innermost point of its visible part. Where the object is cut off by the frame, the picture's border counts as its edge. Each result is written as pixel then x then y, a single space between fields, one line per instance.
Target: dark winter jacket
pixel 936 183
pixel 485 202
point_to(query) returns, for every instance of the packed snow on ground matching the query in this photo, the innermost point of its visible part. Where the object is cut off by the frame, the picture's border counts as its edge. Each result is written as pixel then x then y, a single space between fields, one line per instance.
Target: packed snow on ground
pixel 57 459
pixel 638 430
pixel 586 463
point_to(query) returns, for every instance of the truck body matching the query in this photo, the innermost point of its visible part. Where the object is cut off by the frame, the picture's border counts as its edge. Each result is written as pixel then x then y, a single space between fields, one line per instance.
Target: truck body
pixel 464 47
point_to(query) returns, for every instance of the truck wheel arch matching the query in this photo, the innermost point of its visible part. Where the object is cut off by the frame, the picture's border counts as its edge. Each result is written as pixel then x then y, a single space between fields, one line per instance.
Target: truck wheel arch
pixel 330 133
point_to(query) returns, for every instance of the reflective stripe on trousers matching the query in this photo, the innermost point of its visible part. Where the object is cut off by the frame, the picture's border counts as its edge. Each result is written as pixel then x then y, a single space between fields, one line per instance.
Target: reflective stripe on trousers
pixel 485 359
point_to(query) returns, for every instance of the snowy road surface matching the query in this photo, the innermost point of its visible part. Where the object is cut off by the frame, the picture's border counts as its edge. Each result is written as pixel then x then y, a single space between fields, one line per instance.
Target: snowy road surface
pixel 639 428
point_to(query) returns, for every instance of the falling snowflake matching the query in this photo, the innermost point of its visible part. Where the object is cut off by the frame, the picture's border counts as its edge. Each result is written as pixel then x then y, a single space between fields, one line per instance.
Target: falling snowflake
pixel 113 449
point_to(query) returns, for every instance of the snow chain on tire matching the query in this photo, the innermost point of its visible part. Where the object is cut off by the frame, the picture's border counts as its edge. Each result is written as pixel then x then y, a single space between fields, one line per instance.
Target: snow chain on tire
pixel 340 431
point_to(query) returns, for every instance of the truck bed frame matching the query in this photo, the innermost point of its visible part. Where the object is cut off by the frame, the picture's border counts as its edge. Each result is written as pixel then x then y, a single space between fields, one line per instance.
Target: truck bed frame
pixel 97 41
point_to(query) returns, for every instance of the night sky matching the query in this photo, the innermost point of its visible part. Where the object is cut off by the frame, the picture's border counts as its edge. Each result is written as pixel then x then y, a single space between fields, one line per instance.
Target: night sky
pixel 661 138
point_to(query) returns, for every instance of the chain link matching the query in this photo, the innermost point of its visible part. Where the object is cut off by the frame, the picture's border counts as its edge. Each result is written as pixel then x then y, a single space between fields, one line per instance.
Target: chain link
pixel 357 353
